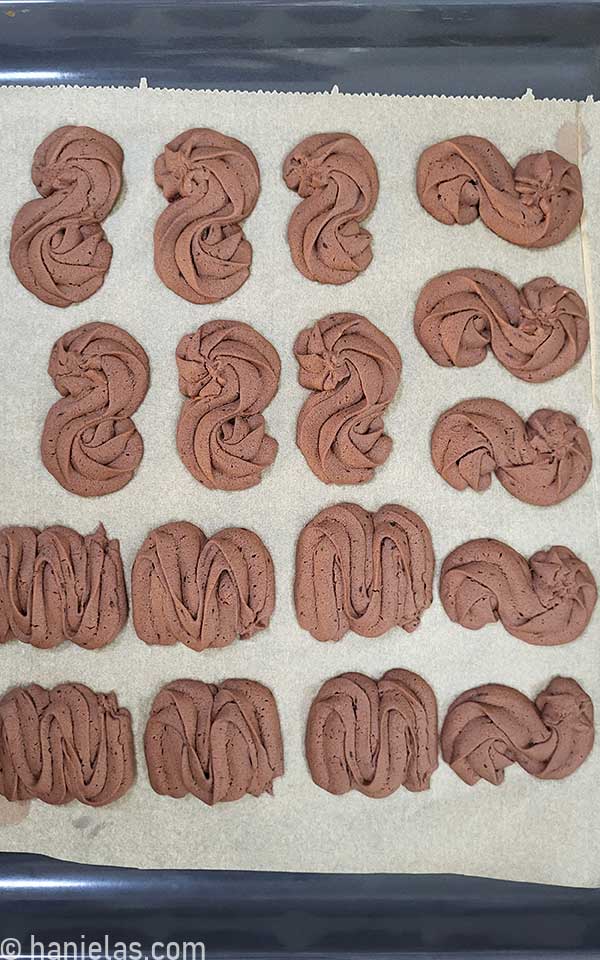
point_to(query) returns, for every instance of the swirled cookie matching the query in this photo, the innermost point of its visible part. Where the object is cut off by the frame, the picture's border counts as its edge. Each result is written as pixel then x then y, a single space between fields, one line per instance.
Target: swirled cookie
pixel 58 248
pixel 537 332
pixel 337 179
pixel 228 373
pixel 90 444
pixel 489 727
pixel 212 183
pixel 67 743
pixel 203 593
pixel 361 571
pixel 215 741
pixel 353 370
pixel 545 600
pixel 56 585
pixel 537 204
pixel 373 735
pixel 541 461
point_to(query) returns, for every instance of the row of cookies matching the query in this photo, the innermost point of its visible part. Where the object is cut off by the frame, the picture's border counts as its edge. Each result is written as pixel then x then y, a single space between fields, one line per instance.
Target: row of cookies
pixel 355 571
pixel 60 253
pixel 219 742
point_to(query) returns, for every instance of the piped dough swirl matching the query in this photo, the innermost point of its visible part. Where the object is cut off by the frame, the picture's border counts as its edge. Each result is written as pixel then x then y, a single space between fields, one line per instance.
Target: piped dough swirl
pixel 361 571
pixel 373 736
pixel 67 743
pixel 217 742
pixel 337 179
pixel 541 461
pixel 490 727
pixel 57 585
pixel 354 371
pixel 201 592
pixel 212 183
pixel 58 248
pixel 537 204
pixel 90 444
pixel 228 373
pixel 546 600
pixel 537 332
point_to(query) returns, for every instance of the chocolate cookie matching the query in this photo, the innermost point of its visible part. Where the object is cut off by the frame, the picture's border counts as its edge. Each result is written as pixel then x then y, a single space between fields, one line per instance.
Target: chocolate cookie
pixel 361 571
pixel 56 585
pixel 537 204
pixel 490 727
pixel 373 736
pixel 201 592
pixel 67 743
pixel 58 248
pixel 337 179
pixel 546 600
pixel 90 444
pixel 215 741
pixel 228 374
pixel 541 461
pixel 212 183
pixel 537 332
pixel 353 370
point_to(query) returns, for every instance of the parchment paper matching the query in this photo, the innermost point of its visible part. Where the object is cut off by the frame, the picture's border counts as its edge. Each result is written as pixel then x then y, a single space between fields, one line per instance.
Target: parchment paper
pixel 524 830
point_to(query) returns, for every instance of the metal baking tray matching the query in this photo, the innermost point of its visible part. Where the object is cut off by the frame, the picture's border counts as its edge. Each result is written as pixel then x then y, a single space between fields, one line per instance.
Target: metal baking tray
pixel 387 46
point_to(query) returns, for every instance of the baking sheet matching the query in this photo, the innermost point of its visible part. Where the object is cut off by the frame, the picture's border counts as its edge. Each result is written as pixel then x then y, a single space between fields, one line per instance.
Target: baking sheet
pixel 525 830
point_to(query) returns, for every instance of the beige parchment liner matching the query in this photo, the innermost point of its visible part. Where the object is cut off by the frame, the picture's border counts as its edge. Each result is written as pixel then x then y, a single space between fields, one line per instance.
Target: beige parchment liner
pixel 524 830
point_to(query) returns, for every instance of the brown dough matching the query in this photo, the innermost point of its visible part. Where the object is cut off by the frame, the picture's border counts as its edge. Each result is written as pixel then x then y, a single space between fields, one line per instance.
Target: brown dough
pixel 353 370
pixel 229 373
pixel 337 179
pixel 56 585
pixel 203 593
pixel 489 727
pixel 215 741
pixel 361 571
pixel 541 461
pixel 67 743
pixel 212 183
pixel 58 249
pixel 537 332
pixel 537 204
pixel 546 600
pixel 90 444
pixel 373 735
